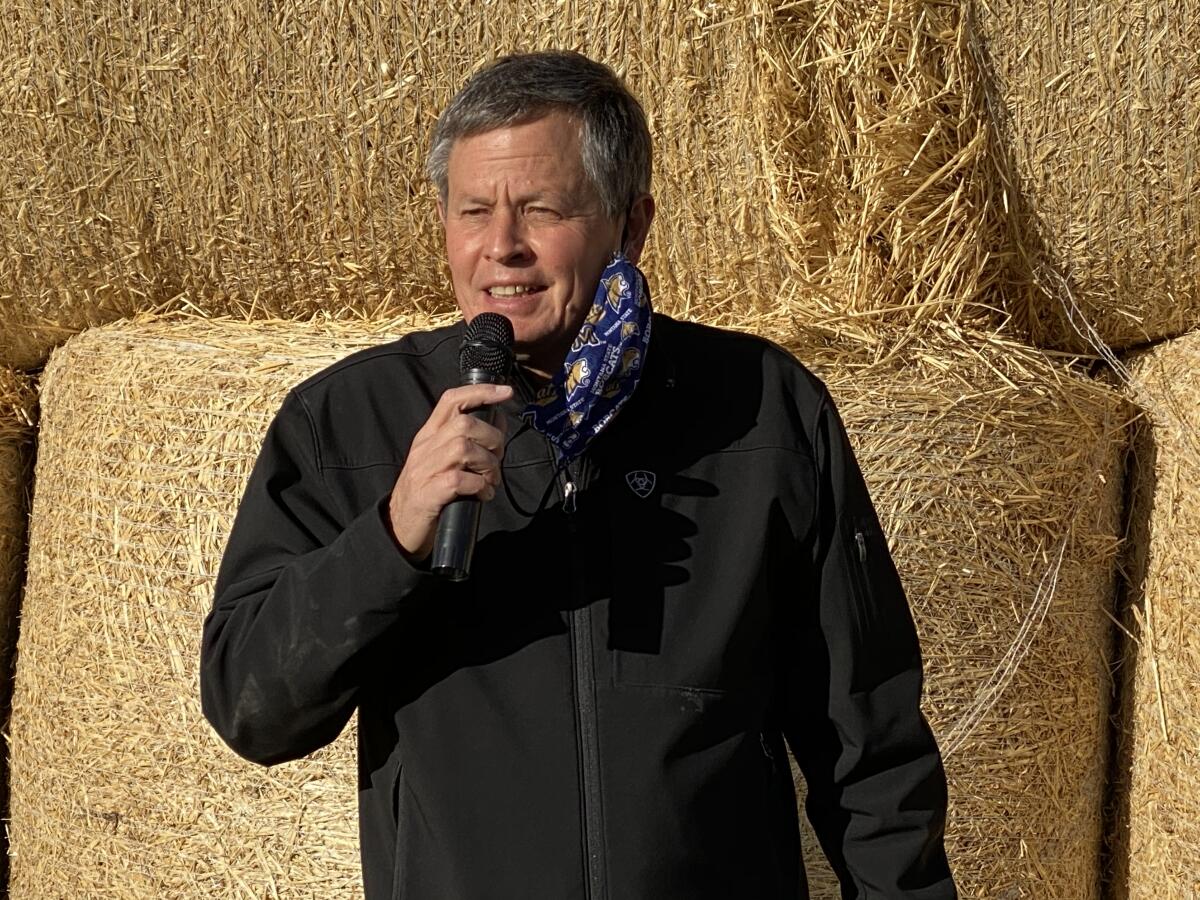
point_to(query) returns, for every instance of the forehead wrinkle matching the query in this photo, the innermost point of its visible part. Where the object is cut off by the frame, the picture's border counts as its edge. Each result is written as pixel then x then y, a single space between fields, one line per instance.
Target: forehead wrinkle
pixel 498 162
pixel 534 195
pixel 488 174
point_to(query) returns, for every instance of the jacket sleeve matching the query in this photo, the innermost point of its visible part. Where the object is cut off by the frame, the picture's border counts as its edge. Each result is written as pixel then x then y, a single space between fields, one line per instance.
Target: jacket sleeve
pixel 299 597
pixel 876 786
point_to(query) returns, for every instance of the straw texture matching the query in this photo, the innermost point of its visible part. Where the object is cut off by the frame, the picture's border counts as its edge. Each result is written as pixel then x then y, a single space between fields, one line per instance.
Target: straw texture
pixel 997 476
pixel 826 157
pixel 1099 106
pixel 119 786
pixel 1156 838
pixel 888 207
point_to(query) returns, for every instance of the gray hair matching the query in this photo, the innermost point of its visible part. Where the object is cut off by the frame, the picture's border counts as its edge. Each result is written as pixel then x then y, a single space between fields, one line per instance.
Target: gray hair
pixel 513 90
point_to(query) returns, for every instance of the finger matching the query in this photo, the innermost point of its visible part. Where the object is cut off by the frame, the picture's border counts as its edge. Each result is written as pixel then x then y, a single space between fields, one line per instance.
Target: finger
pixel 490 437
pixel 470 396
pixel 463 483
pixel 460 452
pixel 450 407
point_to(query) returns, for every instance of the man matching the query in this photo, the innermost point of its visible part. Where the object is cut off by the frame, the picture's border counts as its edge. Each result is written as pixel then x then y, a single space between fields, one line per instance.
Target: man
pixel 660 598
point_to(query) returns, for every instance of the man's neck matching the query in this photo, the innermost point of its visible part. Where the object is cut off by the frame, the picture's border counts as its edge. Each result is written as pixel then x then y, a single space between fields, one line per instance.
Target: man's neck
pixel 536 377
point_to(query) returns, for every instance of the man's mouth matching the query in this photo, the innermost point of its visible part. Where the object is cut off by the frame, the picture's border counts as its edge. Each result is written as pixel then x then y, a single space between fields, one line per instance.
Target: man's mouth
pixel 515 290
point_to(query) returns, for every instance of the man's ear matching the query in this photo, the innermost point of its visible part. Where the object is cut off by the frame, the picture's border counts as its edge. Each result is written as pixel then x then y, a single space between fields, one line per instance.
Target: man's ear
pixel 441 208
pixel 637 226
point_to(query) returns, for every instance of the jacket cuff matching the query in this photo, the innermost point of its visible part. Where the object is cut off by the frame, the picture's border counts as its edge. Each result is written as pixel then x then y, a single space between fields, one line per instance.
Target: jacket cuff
pixel 370 535
pixel 382 505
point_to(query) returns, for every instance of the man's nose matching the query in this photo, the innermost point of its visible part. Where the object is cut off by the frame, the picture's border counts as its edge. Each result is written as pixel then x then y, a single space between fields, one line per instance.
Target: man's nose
pixel 506 241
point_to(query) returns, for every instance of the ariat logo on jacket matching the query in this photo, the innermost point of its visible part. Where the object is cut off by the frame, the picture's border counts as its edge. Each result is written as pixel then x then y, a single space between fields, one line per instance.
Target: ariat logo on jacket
pixel 641 482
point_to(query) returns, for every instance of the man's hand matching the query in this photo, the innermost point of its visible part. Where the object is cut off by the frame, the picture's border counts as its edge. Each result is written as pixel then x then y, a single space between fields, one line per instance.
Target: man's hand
pixel 453 455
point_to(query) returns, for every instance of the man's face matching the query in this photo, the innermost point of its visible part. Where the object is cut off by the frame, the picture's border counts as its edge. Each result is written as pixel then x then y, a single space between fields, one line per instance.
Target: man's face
pixel 526 234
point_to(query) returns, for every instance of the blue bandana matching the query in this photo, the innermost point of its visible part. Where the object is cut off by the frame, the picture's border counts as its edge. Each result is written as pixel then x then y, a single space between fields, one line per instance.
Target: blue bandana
pixel 603 366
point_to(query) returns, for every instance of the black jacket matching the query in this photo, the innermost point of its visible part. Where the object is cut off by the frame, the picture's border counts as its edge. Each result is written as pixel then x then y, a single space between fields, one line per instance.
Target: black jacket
pixel 602 710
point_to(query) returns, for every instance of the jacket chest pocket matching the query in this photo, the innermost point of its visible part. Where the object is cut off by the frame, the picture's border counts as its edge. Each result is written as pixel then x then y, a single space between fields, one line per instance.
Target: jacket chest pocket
pixel 685 613
pixel 358 487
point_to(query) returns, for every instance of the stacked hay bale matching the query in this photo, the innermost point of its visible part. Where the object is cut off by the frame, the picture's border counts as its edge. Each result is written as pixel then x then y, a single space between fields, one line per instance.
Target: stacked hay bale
pixel 1156 850
pixel 119 786
pixel 995 472
pixel 997 476
pixel 827 163
pixel 819 160
pixel 886 205
pixel 1099 107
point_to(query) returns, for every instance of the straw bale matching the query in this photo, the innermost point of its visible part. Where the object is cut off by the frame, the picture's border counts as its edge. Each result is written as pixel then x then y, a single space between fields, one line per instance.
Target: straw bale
pixel 997 475
pixel 1156 829
pixel 1099 106
pixel 887 204
pixel 825 156
pixel 994 471
pixel 119 786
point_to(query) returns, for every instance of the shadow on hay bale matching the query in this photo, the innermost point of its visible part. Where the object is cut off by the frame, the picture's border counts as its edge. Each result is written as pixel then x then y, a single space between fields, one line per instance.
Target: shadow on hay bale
pixel 827 157
pixel 991 466
pixel 1154 840
pixel 18 413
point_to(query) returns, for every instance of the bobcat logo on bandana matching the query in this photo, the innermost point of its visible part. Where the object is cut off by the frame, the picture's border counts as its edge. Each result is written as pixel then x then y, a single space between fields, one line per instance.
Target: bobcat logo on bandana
pixel 586 338
pixel 616 289
pixel 545 396
pixel 641 482
pixel 629 360
pixel 578 375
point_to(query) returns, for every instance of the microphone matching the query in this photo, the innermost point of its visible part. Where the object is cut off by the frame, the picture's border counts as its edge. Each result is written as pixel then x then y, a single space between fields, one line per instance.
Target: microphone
pixel 484 357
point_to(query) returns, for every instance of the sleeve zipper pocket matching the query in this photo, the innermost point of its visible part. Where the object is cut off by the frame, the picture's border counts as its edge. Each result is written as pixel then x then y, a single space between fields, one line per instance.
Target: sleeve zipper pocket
pixel 860 577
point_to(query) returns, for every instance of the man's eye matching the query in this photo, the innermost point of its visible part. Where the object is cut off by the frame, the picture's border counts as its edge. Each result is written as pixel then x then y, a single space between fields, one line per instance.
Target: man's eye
pixel 473 212
pixel 542 212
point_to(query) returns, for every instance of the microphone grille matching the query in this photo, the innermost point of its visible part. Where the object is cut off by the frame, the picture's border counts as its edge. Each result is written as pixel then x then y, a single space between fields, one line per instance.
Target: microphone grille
pixel 487 345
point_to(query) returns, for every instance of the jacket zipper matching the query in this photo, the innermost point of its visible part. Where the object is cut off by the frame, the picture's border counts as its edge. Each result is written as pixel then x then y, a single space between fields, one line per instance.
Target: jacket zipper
pixel 584 683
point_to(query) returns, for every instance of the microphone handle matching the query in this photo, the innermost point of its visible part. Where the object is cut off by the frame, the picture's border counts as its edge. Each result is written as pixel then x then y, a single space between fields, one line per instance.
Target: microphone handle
pixel 458 524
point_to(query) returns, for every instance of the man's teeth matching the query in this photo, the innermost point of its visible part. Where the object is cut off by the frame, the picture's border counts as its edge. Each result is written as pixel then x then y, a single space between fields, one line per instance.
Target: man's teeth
pixel 511 290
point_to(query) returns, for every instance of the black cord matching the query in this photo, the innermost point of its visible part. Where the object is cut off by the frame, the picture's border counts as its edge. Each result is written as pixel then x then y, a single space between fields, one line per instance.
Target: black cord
pixel 562 464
